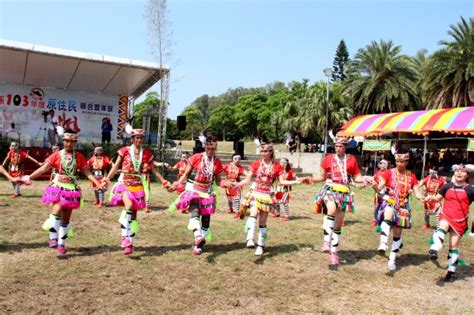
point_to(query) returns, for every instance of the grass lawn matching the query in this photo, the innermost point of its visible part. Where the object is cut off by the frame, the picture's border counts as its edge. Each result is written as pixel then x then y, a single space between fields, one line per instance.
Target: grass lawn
pixel 162 276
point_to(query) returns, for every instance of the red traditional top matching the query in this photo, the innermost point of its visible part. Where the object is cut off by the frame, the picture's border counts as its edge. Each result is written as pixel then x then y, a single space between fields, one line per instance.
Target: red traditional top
pixel 205 169
pixel 233 172
pixel 54 160
pixel 380 174
pixel 457 200
pixel 266 174
pixel 400 184
pixel 338 169
pixel 433 184
pixel 131 172
pixel 98 164
pixel 181 166
pixel 17 158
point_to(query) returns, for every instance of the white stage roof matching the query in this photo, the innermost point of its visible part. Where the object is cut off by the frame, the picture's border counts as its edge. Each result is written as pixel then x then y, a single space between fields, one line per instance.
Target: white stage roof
pixel 41 66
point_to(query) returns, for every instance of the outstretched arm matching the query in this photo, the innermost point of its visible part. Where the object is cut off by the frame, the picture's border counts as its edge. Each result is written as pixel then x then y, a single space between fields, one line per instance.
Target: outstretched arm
pixel 40 171
pixel 157 174
pixel 114 168
pixel 33 159
pixel 5 173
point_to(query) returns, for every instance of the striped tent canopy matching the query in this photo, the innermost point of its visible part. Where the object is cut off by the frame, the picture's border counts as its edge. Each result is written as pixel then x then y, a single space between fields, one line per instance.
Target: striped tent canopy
pixel 458 120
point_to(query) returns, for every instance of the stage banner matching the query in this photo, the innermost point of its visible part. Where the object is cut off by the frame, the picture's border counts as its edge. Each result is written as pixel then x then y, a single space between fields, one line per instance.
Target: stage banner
pixel 33 109
pixel 470 144
pixel 376 145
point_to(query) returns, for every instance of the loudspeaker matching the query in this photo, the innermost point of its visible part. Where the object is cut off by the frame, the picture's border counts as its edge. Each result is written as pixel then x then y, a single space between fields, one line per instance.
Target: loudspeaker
pixel 181 123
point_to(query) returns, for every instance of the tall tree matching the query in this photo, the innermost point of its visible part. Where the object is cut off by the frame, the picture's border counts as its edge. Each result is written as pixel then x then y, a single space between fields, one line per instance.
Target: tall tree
pixel 381 80
pixel 340 61
pixel 160 41
pixel 448 76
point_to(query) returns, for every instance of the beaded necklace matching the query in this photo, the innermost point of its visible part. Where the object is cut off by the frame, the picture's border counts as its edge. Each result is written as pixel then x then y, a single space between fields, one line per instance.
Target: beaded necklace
pixel 136 163
pixel 207 167
pixel 342 165
pixel 68 163
pixel 265 170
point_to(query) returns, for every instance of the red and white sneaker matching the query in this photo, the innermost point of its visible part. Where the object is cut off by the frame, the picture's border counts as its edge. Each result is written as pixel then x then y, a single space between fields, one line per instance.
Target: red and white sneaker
pixel 334 259
pixel 53 243
pixel 199 241
pixel 95 202
pixel 286 218
pixel 230 210
pixel 426 226
pixel 100 205
pixel 374 222
pixel 197 251
pixel 276 215
pixel 14 196
pixel 125 242
pixel 61 250
pixel 128 250
pixel 326 247
pixel 236 215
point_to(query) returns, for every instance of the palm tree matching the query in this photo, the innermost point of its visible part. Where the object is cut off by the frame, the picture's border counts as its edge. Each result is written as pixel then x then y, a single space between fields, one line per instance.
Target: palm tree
pixel 448 74
pixel 306 113
pixel 382 80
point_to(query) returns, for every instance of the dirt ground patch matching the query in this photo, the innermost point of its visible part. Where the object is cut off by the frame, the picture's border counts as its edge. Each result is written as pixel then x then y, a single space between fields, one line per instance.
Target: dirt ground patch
pixel 163 277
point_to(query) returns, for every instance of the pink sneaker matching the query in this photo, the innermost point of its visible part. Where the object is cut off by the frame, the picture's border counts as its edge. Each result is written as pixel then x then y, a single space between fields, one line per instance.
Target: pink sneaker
pixel 236 215
pixel 276 215
pixel 326 247
pixel 53 243
pixel 199 241
pixel 125 242
pixel 128 250
pixel 197 251
pixel 286 218
pixel 334 259
pixel 61 250
pixel 374 222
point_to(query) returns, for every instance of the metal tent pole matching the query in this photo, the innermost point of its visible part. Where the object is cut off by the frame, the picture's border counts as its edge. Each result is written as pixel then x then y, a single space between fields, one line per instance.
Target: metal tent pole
pixel 424 157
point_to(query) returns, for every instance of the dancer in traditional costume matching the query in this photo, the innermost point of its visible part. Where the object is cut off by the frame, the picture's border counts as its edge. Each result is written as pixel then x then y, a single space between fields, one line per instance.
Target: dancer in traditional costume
pixel 17 160
pixel 135 161
pixel 261 199
pixel 431 184
pixel 63 193
pixel 378 197
pixel 454 216
pixel 180 167
pixel 99 163
pixel 335 197
pixel 233 173
pixel 395 212
pixel 283 191
pixel 199 198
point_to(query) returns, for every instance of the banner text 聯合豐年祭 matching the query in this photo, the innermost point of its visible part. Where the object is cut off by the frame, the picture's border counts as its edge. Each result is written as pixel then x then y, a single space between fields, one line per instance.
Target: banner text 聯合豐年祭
pixel 83 112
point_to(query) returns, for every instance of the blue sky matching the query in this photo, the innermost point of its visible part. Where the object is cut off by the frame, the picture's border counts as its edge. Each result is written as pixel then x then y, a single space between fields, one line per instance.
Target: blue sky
pixel 222 44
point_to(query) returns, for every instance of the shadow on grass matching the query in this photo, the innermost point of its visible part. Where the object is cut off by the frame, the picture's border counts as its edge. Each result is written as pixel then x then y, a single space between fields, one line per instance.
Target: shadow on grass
pixel 19 247
pixel 139 251
pixel 351 257
pixel 272 251
pixel 351 222
pixel 462 273
pixel 217 250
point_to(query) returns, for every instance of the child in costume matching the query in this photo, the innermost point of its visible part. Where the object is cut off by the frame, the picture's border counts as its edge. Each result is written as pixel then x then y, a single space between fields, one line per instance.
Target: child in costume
pixel 395 212
pixel 180 167
pixel 135 162
pixel 17 159
pixel 379 196
pixel 199 198
pixel 431 184
pixel 63 192
pixel 98 164
pixel 283 191
pixel 454 216
pixel 335 197
pixel 233 173
pixel 261 199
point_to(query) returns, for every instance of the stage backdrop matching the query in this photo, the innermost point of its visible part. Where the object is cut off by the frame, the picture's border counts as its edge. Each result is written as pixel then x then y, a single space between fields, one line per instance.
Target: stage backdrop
pixel 26 105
